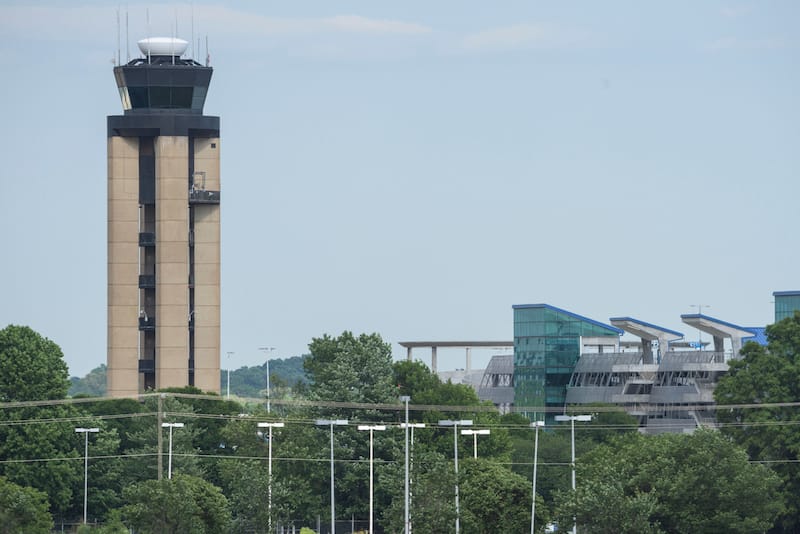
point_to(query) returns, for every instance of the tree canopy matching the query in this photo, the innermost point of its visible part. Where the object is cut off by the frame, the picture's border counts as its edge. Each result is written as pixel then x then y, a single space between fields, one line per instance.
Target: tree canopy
pixel 626 482
pixel 285 374
pixel 93 384
pixel 771 434
pixel 494 499
pixel 31 366
pixel 351 369
pixel 23 509
pixel 183 504
pixel 673 483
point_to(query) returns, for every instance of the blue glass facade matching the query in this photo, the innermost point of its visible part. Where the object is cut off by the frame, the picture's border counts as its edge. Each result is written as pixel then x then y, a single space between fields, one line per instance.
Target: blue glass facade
pixel 786 303
pixel 547 345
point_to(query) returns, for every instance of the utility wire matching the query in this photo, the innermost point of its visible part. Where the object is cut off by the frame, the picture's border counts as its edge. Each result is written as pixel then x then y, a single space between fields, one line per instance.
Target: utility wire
pixel 485 408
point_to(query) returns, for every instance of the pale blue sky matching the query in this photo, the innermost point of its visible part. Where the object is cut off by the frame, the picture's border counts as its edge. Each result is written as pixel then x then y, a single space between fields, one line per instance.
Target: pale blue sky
pixel 416 168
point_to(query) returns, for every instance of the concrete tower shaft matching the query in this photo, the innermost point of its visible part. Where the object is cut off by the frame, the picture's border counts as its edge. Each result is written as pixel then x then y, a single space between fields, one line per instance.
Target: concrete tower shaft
pixel 163 227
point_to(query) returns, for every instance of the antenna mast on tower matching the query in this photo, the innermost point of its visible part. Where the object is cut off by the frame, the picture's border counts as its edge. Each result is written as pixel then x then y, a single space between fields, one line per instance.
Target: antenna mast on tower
pixel 119 59
pixel 147 12
pixel 194 55
pixel 127 38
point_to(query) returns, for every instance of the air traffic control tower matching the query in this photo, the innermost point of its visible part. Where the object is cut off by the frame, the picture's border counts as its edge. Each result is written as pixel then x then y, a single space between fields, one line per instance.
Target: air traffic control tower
pixel 163 225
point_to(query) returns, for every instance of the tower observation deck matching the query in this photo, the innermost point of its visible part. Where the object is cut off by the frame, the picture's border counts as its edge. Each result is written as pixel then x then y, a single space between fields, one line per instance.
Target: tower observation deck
pixel 163 225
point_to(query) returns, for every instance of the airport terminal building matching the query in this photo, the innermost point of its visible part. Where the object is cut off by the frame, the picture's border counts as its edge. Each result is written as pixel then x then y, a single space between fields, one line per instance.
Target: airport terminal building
pixel 561 358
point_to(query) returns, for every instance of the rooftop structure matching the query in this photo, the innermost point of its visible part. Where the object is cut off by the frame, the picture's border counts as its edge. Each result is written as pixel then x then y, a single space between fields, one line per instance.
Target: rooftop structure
pixel 656 390
pixel 648 334
pixel 467 345
pixel 674 391
pixel 719 331
pixel 497 384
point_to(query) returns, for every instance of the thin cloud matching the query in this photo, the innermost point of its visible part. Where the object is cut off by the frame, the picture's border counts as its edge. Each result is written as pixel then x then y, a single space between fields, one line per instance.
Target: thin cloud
pixel 333 38
pixel 54 23
pixel 358 24
pixel 523 36
pixel 223 20
pixel 735 11
pixel 51 23
pixel 733 43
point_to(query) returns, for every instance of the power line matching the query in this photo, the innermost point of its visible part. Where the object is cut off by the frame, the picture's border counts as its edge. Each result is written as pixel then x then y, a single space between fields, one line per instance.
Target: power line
pixel 393 407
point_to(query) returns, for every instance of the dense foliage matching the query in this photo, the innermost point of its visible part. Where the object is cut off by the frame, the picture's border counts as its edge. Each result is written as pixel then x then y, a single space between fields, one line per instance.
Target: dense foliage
pixel 93 384
pixel 31 366
pixel 286 374
pixel 23 509
pixel 221 483
pixel 351 369
pixel 671 483
pixel 181 505
pixel 768 376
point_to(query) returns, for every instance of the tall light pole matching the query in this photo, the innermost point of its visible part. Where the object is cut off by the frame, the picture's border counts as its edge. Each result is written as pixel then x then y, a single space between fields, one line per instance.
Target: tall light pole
pixel 371 428
pixel 455 425
pixel 572 419
pixel 700 332
pixel 475 434
pixel 170 426
pixel 535 425
pixel 409 471
pixel 267 351
pixel 406 399
pixel 228 395
pixel 86 432
pixel 332 423
pixel 270 426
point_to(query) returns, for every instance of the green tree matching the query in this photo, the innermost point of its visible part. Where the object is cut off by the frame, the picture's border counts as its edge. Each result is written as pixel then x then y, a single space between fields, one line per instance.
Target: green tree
pixel 47 454
pixel 34 438
pixel 31 366
pixel 247 488
pixel 205 432
pixel 93 384
pixel 125 416
pixel 414 378
pixel 23 509
pixel 124 451
pixel 770 434
pixel 36 444
pixel 607 422
pixel 181 505
pixel 113 525
pixel 671 483
pixel 286 374
pixel 351 369
pixel 432 495
pixel 127 444
pixel 614 509
pixel 300 488
pixel 494 499
pixel 105 472
pixel 554 460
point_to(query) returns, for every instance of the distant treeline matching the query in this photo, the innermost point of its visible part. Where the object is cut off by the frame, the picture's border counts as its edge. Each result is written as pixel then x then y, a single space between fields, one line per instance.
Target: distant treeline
pixel 285 374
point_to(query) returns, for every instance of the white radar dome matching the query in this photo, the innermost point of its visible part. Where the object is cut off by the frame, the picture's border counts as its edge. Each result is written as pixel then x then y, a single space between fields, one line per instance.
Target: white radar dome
pixel 162 46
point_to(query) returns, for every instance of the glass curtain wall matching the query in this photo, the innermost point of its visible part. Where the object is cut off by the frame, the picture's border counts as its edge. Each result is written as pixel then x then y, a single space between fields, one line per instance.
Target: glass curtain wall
pixel 547 345
pixel 786 303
